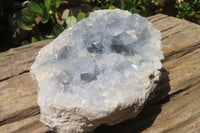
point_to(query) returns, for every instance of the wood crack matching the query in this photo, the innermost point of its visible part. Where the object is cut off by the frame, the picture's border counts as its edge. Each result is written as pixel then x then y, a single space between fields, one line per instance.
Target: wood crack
pixel 164 30
pixel 23 72
pixel 20 115
pixel 182 52
pixel 153 21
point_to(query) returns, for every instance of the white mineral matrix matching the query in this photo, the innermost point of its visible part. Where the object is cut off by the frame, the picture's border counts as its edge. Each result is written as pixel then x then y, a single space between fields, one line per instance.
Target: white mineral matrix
pixel 97 71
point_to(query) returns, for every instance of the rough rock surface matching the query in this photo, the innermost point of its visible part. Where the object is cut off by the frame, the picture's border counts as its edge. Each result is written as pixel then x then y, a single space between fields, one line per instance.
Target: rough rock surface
pixel 175 107
pixel 101 70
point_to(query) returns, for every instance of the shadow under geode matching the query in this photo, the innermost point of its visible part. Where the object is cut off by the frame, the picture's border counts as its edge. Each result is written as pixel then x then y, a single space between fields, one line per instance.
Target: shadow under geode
pixel 149 113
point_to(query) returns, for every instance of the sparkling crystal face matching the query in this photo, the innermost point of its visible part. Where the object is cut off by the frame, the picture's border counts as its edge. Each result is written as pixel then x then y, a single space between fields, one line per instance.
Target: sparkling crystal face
pixel 101 62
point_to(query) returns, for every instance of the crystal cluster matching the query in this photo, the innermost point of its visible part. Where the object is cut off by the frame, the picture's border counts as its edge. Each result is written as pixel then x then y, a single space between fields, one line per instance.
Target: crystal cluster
pixel 97 71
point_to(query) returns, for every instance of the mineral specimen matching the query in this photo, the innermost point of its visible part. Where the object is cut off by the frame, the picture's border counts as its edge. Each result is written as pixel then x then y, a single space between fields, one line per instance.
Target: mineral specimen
pixel 97 71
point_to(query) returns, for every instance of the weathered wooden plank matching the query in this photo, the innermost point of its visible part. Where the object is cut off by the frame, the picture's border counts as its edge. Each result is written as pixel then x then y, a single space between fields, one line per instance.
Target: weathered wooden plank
pixel 166 23
pixel 156 17
pixel 184 71
pixel 180 114
pixel 174 29
pixel 18 99
pixel 18 60
pixel 28 125
pixel 180 42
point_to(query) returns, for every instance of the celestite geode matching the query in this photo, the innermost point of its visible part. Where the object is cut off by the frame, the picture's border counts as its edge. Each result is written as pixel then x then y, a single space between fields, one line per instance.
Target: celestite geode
pixel 97 71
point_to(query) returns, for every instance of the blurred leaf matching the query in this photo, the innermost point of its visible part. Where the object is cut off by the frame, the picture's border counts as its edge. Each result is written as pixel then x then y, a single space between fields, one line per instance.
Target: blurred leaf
pixel 86 1
pixel 47 4
pixel 53 9
pixel 122 4
pixel 70 21
pixel 112 7
pixel 108 5
pixel 25 42
pixel 87 15
pixel 95 8
pixel 41 38
pixel 57 29
pixel 81 16
pixel 35 8
pixel 85 5
pixel 133 10
pixel 50 36
pixel 23 26
pixel 44 20
pixel 143 8
pixel 42 6
pixel 192 13
pixel 134 2
pixel 139 2
pixel 98 1
pixel 145 1
pixel 57 3
pixel 104 7
pixel 33 39
pixel 28 16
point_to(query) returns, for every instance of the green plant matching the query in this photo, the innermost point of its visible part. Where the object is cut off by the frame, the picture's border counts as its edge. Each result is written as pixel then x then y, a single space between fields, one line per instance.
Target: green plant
pixel 57 29
pixel 70 21
pixel 184 10
pixel 154 7
pixel 39 12
pixel 189 10
pixel 134 6
pixel 82 15
pixel 196 8
pixel 97 4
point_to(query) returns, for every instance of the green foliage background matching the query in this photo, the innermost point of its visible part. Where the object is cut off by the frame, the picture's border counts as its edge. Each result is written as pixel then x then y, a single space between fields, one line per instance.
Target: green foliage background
pixel 43 12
